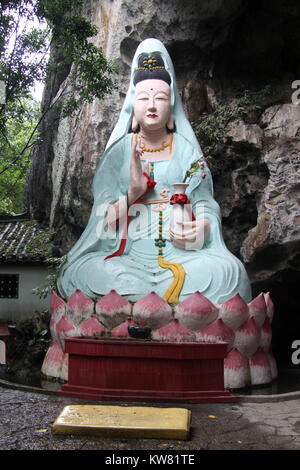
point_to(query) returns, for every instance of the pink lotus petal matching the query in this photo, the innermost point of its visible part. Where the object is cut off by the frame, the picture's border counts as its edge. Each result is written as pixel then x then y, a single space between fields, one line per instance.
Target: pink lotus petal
pixel 234 312
pixel 65 329
pixel 236 370
pixel 215 332
pixel 64 368
pixel 258 309
pixel 57 307
pixel 152 311
pixel 247 337
pixel 53 361
pixel 196 311
pixel 79 307
pixel 266 335
pixel 260 371
pixel 174 332
pixel 52 327
pixel 112 309
pixel 91 327
pixel 112 301
pixel 270 306
pixel 121 331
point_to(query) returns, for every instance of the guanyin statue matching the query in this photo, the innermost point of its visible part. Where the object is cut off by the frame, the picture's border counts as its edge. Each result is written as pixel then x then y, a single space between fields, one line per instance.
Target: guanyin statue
pixel 134 242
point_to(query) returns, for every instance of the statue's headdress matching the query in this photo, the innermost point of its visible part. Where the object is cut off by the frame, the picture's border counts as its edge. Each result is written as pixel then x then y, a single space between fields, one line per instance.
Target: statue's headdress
pixel 151 66
pixel 158 52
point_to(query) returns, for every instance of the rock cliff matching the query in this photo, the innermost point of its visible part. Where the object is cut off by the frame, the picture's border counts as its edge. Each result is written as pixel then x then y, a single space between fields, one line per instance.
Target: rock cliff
pixel 219 49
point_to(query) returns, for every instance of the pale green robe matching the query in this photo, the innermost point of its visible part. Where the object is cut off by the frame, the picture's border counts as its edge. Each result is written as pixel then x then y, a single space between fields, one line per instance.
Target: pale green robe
pixel 213 270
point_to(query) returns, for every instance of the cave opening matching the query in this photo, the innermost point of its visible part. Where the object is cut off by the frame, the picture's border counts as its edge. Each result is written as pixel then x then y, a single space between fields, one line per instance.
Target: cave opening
pixel 285 294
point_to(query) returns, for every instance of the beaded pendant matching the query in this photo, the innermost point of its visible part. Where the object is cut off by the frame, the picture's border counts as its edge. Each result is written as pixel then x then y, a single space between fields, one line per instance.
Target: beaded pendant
pixel 172 293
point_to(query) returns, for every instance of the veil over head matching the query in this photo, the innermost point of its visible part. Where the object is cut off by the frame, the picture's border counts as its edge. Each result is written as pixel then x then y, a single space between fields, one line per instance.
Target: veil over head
pixel 123 125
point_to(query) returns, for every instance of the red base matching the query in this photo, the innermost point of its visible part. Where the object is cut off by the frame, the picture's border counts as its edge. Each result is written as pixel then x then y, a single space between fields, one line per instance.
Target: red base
pixel 132 370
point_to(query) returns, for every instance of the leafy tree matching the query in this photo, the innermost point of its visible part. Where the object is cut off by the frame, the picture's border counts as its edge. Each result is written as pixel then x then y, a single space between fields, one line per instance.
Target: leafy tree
pixel 212 127
pixel 15 151
pixel 29 30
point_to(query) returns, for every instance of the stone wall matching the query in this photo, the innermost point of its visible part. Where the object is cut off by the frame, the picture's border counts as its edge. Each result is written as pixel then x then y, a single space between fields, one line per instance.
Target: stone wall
pixel 30 277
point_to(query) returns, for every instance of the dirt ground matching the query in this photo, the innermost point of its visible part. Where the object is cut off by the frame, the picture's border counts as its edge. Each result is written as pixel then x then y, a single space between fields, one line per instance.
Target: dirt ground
pixel 26 419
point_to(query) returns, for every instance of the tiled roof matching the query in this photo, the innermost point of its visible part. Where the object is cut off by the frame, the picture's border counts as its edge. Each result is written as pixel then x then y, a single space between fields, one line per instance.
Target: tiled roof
pixel 24 241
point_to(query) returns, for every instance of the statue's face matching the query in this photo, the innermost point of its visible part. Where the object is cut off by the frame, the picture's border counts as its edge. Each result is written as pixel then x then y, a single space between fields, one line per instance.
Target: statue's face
pixel 152 104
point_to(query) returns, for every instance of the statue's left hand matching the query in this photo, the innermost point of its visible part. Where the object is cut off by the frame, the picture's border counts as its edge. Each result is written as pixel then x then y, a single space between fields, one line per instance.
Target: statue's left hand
pixel 192 234
pixel 138 182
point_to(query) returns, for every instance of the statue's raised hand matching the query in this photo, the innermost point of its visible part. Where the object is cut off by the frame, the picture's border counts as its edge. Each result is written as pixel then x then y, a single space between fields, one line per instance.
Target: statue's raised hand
pixel 138 181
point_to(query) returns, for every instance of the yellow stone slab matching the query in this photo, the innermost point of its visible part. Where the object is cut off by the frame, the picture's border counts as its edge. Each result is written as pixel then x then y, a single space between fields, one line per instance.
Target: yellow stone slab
pixel 124 421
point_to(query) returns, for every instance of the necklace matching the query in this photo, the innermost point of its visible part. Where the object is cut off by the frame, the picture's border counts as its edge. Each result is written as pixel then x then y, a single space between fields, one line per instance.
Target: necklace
pixel 163 146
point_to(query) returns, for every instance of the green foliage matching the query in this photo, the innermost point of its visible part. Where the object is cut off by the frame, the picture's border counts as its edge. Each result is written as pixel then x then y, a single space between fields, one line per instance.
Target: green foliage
pixel 194 168
pixel 22 51
pixel 91 73
pixel 31 341
pixel 30 27
pixel 90 76
pixel 212 128
pixel 54 265
pixel 15 148
pixel 40 338
pixel 28 30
